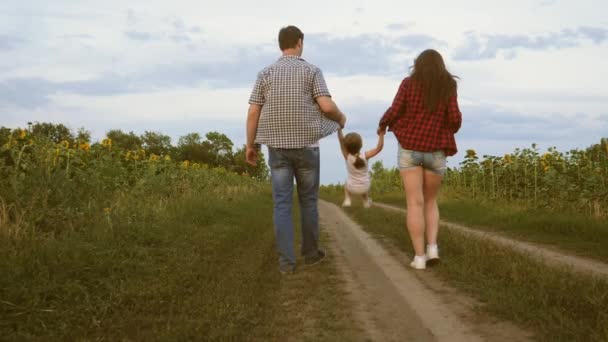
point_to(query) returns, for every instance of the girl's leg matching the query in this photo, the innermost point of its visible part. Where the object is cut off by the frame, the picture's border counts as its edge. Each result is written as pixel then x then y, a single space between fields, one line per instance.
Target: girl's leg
pixel 366 200
pixel 413 179
pixel 432 183
pixel 346 202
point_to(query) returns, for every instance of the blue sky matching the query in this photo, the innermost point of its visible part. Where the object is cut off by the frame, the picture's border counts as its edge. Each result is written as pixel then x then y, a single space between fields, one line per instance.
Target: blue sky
pixel 531 70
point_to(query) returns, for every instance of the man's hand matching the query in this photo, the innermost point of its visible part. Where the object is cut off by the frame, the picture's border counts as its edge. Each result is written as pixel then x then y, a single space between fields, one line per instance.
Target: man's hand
pixel 381 130
pixel 251 156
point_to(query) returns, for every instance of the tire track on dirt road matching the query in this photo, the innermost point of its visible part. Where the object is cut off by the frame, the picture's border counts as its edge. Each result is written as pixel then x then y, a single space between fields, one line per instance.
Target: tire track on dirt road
pixel 391 301
pixel 549 255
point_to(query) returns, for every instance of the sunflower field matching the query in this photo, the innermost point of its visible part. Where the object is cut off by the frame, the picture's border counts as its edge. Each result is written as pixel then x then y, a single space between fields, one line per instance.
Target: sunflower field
pixel 575 180
pixel 52 187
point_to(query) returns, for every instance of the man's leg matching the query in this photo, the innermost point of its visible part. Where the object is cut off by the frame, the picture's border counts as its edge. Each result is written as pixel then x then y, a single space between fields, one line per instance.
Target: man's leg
pixel 306 171
pixel 281 174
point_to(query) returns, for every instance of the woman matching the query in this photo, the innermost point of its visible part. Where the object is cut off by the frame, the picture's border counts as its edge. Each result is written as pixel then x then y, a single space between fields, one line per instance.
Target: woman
pixel 424 117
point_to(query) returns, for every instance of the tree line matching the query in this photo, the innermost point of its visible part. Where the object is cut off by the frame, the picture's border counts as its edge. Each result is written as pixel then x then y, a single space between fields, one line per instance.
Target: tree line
pixel 214 149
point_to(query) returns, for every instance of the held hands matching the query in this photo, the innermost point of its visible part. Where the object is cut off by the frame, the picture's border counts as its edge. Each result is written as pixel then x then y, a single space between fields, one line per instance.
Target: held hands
pixel 251 156
pixel 381 130
pixel 342 121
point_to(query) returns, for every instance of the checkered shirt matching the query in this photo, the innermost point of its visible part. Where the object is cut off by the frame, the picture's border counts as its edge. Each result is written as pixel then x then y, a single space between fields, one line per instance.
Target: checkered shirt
pixel 418 129
pixel 290 117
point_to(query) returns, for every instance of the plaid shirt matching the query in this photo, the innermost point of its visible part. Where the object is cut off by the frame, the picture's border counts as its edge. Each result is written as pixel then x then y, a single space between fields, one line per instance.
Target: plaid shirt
pixel 290 117
pixel 418 129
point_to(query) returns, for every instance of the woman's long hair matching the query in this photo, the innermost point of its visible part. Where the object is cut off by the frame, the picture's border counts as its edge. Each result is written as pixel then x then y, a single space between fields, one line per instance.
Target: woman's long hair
pixel 437 83
pixel 353 144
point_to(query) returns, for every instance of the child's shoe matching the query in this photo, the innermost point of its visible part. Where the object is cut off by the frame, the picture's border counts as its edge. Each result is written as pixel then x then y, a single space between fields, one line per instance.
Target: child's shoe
pixel 419 262
pixel 368 203
pixel 346 203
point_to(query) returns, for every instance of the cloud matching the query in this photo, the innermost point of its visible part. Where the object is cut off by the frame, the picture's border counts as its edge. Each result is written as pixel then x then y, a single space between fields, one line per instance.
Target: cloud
pixel 479 47
pixel 177 32
pixel 25 93
pixel 365 53
pixel 77 36
pixel 397 26
pixel 544 3
pixel 140 36
pixel 492 123
pixel 131 18
pixel 9 43
pixel 343 56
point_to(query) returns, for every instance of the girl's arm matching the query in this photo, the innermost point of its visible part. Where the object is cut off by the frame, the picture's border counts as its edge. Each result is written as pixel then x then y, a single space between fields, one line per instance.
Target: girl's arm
pixel 373 152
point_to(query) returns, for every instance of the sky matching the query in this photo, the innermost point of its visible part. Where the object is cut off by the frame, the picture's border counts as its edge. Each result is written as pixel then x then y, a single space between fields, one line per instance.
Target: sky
pixel 531 71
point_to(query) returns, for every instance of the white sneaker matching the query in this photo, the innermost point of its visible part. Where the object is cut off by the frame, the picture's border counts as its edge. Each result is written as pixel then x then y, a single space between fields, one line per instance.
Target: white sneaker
pixel 432 252
pixel 419 262
pixel 368 203
pixel 346 203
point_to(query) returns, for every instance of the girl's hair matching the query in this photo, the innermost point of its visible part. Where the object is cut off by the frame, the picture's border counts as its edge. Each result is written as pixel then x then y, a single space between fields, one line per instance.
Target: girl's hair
pixel 438 85
pixel 353 143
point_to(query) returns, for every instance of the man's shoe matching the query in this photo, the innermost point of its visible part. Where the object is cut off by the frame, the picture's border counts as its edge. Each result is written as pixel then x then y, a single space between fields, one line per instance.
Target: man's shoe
pixel 287 269
pixel 309 261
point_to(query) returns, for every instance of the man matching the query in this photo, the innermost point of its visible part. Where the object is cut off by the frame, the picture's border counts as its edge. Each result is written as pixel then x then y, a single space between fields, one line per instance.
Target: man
pixel 290 110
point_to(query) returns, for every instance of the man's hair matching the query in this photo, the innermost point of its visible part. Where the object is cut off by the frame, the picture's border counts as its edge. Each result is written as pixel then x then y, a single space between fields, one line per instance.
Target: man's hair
pixel 289 36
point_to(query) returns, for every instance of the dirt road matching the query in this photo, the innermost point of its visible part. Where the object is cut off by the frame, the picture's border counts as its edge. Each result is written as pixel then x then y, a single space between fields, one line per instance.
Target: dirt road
pixel 396 303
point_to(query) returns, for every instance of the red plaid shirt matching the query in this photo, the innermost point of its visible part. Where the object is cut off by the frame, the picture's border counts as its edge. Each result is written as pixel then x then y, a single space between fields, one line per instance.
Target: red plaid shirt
pixel 418 129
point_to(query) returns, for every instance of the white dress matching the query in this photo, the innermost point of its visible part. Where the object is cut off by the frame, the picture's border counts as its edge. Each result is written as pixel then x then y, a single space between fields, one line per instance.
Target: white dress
pixel 358 181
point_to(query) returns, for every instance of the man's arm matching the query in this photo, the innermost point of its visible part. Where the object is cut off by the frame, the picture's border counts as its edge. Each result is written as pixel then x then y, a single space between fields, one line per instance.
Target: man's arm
pixel 330 110
pixel 342 147
pixel 253 116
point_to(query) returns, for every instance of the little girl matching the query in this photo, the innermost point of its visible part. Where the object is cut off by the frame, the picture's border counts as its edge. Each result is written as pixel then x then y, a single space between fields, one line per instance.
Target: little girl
pixel 358 181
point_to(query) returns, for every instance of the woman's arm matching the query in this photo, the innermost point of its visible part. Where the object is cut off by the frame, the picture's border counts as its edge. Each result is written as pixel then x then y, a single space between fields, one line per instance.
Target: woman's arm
pixel 373 152
pixel 454 116
pixel 396 108
pixel 342 147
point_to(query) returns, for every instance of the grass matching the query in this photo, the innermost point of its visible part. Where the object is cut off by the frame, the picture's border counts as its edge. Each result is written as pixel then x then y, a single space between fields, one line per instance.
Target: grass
pixel 188 268
pixel 557 304
pixel 579 234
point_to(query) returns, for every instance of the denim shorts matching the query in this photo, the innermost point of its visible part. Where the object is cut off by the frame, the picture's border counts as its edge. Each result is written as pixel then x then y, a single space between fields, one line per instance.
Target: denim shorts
pixel 432 161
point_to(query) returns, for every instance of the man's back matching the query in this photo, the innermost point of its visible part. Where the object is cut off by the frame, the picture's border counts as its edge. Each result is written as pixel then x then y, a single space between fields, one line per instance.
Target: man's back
pixel 290 117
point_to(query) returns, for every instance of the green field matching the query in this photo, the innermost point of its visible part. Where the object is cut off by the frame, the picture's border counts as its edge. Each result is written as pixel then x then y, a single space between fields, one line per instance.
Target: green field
pixel 102 243
pixel 558 304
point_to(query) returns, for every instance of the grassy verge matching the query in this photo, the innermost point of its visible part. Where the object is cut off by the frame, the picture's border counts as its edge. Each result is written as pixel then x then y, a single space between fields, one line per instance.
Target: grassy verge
pixel 196 265
pixel 556 303
pixel 580 234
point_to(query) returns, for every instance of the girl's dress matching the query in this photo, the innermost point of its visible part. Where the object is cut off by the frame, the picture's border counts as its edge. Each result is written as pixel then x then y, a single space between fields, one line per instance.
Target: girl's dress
pixel 358 181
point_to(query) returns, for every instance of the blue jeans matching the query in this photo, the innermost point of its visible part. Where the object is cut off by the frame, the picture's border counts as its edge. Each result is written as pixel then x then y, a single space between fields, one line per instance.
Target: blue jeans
pixel 432 161
pixel 303 165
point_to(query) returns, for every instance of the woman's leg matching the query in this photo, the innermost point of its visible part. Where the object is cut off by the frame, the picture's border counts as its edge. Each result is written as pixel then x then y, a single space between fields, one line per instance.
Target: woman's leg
pixel 432 183
pixel 413 179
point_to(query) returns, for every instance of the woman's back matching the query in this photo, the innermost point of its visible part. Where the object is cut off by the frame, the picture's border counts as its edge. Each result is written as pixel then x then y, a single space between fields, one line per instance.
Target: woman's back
pixel 418 128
